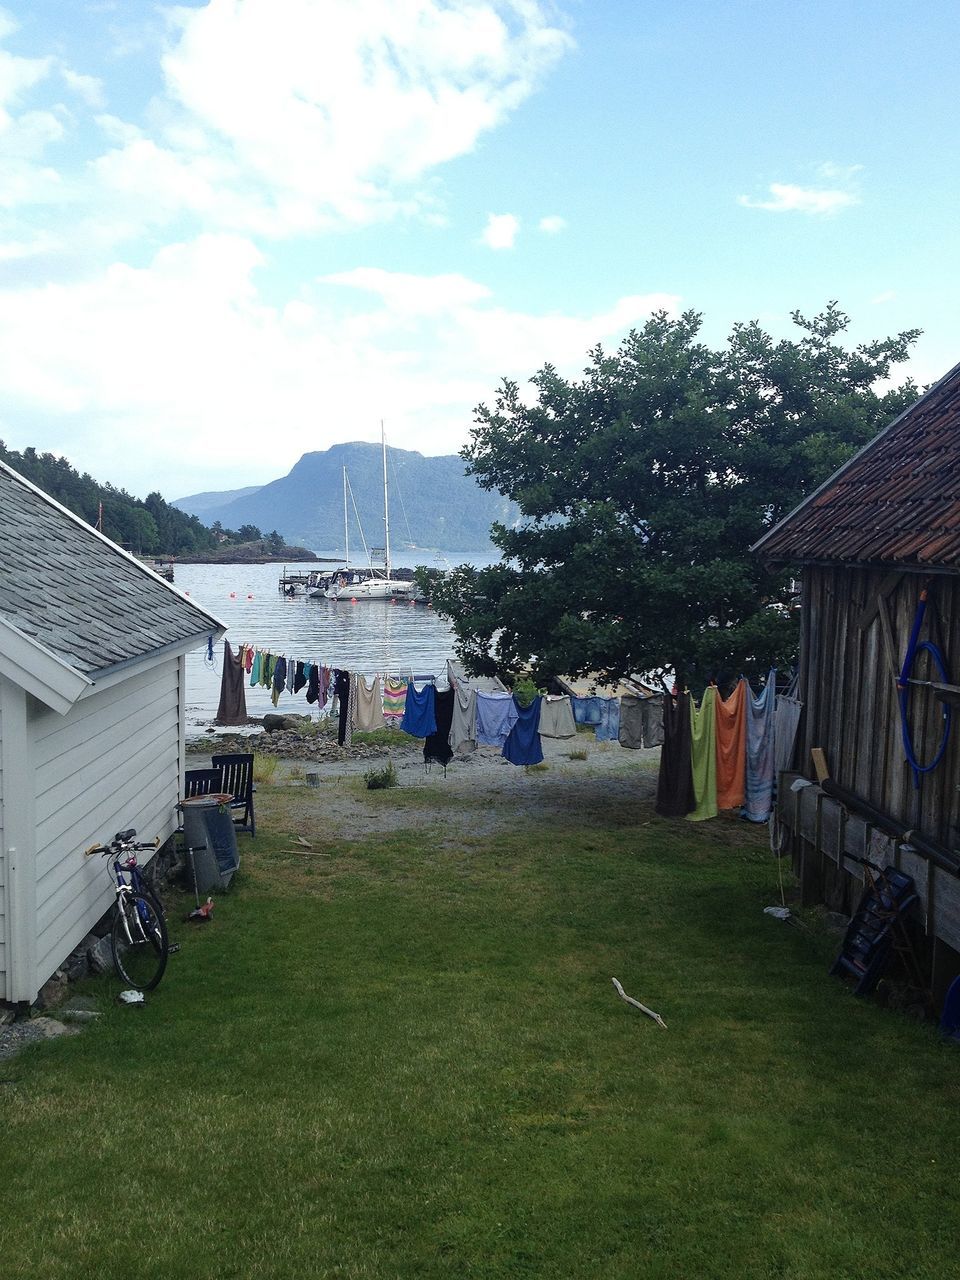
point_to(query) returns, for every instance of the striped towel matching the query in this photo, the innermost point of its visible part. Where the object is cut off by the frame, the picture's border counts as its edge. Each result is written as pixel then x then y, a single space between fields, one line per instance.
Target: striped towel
pixel 394 697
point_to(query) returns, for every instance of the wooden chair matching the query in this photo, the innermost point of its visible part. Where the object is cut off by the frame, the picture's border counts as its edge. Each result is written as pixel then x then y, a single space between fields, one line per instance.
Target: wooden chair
pixel 202 782
pixel 237 773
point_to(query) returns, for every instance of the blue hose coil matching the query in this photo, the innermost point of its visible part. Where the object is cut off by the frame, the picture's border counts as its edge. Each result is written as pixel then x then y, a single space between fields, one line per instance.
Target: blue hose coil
pixel 913 649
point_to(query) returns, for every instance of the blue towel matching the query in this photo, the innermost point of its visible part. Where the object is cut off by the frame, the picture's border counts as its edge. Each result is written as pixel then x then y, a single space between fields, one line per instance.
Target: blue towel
pixel 419 716
pixel 760 741
pixel 523 744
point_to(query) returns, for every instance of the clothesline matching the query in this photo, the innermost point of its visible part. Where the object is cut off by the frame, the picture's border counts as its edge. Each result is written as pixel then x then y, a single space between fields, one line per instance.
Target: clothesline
pixel 722 754
pixel 725 753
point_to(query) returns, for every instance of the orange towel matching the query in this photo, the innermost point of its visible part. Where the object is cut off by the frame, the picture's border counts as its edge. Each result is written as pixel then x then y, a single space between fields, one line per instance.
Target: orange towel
pixel 731 725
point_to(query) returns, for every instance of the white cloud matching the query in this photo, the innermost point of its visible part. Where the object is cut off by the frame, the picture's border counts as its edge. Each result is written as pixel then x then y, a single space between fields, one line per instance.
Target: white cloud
pixel 888 295
pixel 832 172
pixel 321 109
pixel 552 224
pixel 789 198
pixel 89 88
pixel 500 231
pixel 178 375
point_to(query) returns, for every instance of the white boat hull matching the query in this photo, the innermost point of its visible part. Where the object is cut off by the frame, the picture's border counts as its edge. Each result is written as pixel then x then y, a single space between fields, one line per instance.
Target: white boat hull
pixel 377 589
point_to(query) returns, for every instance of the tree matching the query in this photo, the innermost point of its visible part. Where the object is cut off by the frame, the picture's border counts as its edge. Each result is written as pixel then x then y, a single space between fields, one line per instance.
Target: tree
pixel 642 487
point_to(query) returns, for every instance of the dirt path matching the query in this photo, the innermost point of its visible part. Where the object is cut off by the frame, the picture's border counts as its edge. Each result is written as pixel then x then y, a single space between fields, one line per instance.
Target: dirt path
pixel 479 793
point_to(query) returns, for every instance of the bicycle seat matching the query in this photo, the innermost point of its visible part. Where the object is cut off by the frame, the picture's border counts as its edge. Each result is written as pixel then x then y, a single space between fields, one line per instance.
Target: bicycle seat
pixel 124 837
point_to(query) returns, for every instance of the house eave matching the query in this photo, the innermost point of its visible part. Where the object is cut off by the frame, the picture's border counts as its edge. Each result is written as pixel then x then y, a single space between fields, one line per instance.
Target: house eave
pixel 39 671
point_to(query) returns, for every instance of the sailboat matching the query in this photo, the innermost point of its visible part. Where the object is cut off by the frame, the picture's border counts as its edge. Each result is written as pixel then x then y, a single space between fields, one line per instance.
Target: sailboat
pixel 376 584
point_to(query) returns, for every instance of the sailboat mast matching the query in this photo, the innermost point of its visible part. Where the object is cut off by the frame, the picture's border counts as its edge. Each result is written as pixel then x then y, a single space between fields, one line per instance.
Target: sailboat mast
pixel 386 508
pixel 346 524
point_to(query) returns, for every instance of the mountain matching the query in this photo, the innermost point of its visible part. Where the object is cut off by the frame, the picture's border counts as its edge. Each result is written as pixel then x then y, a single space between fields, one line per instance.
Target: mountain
pixel 200 504
pixel 433 502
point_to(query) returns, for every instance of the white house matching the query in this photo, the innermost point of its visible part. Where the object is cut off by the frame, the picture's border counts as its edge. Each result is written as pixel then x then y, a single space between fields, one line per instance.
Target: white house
pixel 92 671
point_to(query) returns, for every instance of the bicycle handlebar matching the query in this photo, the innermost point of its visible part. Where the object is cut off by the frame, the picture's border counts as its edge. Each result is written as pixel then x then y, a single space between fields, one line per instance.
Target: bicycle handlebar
pixel 122 842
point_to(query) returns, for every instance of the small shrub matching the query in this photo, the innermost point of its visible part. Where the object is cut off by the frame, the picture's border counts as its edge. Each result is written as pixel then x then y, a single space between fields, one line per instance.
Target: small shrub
pixel 580 754
pixel 525 690
pixel 296 773
pixel 542 767
pixel 265 768
pixel 380 779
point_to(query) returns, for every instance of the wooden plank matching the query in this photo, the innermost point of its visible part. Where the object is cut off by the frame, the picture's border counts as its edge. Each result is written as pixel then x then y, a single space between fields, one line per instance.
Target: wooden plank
pixel 917 867
pixel 856 835
pixel 878 599
pixel 881 850
pixel 946 908
pixel 809 801
pixel 831 824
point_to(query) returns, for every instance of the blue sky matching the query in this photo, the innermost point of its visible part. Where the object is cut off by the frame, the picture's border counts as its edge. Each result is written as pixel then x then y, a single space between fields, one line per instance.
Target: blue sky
pixel 235 231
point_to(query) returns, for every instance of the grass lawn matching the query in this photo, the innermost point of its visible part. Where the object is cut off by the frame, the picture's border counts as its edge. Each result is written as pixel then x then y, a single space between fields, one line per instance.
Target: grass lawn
pixel 403 1056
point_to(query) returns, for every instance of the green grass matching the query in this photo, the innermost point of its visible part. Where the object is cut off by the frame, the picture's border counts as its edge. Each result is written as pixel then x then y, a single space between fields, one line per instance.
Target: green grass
pixel 396 1057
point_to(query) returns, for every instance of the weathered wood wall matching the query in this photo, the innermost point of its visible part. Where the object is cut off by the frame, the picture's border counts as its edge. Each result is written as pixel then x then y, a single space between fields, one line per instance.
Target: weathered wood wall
pixel 849 693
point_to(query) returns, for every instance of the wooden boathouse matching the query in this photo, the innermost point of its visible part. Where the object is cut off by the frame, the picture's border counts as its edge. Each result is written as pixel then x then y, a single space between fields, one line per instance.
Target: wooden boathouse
pixel 879 546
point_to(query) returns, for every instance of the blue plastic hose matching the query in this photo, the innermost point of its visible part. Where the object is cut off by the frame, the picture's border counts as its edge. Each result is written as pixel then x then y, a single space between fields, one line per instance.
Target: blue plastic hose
pixel 903 692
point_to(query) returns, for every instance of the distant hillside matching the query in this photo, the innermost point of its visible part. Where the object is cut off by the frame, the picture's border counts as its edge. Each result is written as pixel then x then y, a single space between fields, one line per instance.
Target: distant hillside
pixel 433 503
pixel 200 504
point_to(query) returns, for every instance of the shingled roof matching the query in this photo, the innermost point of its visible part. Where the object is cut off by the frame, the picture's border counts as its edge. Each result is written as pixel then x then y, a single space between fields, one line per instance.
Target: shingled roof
pixel 896 502
pixel 76 595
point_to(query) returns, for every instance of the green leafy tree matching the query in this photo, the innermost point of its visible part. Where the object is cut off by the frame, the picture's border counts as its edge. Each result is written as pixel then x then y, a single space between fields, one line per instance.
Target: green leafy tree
pixel 642 486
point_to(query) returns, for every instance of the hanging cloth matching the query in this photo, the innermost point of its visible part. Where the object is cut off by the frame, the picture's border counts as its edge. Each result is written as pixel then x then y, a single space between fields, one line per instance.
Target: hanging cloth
pixel 324 679
pixel 703 755
pixel 313 684
pixel 675 796
pixel 394 698
pixel 496 716
pixel 523 743
pixel 651 712
pixel 255 669
pixel 344 693
pixel 556 718
pixel 463 725
pixel 436 745
pixel 608 730
pixel 786 718
pixel 248 659
pixel 368 705
pixel 760 742
pixel 279 680
pixel 587 710
pixel 419 716
pixel 732 747
pixel 299 677
pixel 233 700
pixel 631 722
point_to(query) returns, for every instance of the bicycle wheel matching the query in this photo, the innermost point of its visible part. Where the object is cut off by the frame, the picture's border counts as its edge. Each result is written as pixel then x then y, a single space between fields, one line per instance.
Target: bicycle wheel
pixel 138 940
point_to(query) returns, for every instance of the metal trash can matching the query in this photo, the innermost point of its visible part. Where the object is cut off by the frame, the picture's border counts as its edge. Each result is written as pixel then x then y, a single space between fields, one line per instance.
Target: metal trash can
pixel 211 840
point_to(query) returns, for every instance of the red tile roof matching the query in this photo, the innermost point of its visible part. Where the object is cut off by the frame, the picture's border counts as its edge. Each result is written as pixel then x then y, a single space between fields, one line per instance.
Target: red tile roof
pixel 895 502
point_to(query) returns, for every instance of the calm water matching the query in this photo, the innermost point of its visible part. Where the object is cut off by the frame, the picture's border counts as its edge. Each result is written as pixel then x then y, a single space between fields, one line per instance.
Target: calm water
pixel 372 637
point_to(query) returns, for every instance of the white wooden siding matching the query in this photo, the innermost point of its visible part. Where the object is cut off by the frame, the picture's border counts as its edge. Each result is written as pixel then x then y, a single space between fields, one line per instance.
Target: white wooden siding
pixel 3 870
pixel 112 763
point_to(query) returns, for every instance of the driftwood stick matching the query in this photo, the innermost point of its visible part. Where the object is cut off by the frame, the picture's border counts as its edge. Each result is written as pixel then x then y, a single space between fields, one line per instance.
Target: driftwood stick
pixel 637 1005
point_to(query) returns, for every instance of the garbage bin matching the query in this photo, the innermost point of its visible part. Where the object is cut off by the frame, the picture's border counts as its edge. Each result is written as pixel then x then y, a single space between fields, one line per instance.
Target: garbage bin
pixel 211 840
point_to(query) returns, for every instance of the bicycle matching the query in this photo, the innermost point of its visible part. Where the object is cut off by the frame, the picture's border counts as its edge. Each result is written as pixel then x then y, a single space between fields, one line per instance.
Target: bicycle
pixel 138 935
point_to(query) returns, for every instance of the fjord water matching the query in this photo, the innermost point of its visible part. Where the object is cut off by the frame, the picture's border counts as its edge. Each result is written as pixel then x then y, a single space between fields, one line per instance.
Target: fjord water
pixel 369 637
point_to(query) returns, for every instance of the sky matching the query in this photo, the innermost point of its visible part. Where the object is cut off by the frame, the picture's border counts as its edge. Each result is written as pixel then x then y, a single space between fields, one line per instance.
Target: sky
pixel 234 231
